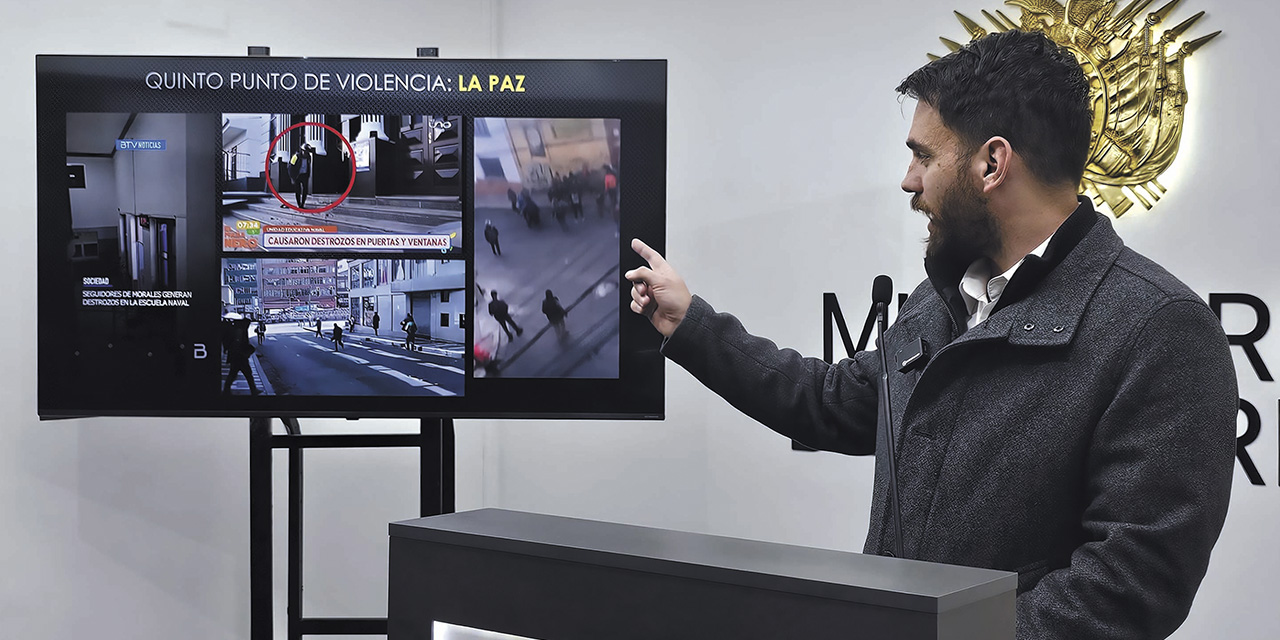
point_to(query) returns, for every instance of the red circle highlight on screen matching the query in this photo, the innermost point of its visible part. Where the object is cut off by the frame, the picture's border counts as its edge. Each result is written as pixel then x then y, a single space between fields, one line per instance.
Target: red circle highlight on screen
pixel 351 153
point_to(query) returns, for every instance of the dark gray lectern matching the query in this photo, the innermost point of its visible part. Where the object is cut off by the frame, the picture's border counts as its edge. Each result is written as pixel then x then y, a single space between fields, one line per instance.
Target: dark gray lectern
pixel 554 578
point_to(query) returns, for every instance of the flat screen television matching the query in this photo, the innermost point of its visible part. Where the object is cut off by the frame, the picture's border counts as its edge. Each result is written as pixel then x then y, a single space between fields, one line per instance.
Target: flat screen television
pixel 267 236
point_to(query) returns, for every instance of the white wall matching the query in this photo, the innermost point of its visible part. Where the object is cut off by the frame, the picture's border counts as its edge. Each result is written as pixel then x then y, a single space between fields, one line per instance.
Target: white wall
pixel 784 134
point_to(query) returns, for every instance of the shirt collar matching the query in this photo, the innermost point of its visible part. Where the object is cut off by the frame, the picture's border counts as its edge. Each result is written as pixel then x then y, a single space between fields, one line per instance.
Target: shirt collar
pixel 945 274
pixel 979 287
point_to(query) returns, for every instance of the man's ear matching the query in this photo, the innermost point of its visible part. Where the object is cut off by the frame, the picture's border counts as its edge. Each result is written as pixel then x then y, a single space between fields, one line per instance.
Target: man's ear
pixel 997 161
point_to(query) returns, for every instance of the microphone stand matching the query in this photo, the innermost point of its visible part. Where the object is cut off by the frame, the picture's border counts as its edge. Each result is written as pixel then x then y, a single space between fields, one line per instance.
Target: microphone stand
pixel 886 424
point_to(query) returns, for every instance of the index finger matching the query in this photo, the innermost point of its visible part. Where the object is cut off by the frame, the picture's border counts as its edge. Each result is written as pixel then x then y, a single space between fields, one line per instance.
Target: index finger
pixel 652 257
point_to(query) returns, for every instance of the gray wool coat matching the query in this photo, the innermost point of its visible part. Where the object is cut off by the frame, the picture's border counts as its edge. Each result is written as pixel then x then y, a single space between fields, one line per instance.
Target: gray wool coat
pixel 1082 436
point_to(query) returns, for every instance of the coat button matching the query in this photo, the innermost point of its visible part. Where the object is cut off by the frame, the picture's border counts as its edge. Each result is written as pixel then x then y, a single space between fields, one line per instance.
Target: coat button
pixel 1029 326
pixel 1058 329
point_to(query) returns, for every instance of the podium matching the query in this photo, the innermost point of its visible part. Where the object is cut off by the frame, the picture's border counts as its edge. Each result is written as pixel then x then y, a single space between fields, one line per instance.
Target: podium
pixel 556 578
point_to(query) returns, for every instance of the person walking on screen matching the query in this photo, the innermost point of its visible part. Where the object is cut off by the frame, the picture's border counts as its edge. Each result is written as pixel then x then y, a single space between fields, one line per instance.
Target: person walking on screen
pixel 555 315
pixel 410 331
pixel 502 313
pixel 377 320
pixel 491 236
pixel 337 336
pixel 575 186
pixel 611 188
pixel 1065 408
pixel 261 330
pixel 300 173
pixel 235 343
pixel 528 208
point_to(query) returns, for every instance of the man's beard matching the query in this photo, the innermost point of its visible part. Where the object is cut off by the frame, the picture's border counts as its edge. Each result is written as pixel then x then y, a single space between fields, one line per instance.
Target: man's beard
pixel 963 227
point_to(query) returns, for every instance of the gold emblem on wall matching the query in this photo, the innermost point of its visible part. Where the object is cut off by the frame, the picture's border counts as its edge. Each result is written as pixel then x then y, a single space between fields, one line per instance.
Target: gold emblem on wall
pixel 1135 72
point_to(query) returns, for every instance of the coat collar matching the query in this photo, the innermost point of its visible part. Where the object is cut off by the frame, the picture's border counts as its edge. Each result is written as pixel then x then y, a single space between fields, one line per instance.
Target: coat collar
pixel 1045 307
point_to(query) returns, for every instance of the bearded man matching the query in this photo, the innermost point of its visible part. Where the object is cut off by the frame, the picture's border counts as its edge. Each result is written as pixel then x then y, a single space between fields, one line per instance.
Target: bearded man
pixel 1073 415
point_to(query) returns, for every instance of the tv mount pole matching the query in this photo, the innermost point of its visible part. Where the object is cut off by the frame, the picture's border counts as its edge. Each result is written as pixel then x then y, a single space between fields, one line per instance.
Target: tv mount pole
pixel 435 443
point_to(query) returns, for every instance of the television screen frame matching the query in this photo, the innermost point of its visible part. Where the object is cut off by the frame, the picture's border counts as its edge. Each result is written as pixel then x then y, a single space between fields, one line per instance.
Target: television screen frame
pixel 95 360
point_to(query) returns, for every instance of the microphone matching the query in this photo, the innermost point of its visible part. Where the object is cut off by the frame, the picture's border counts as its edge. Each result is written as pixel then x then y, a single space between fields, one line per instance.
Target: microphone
pixel 881 294
pixel 882 290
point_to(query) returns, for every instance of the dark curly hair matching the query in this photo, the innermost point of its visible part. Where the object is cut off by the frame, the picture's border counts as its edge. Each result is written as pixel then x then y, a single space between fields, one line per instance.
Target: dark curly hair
pixel 1019 85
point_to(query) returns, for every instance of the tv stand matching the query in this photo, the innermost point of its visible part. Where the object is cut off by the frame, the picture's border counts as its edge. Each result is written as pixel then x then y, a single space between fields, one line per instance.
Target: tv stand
pixel 435 441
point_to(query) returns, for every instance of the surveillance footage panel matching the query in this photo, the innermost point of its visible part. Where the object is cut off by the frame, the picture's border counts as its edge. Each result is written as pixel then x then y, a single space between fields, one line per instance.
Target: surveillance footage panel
pixel 344 237
pixel 548 189
pixel 341 182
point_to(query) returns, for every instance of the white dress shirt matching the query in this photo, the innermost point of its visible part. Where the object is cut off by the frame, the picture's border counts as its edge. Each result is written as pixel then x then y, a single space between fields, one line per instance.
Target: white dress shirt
pixel 981 292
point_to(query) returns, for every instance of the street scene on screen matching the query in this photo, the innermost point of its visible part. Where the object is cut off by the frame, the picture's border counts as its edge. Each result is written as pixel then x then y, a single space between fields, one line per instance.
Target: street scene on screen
pixel 341 182
pixel 547 208
pixel 343 327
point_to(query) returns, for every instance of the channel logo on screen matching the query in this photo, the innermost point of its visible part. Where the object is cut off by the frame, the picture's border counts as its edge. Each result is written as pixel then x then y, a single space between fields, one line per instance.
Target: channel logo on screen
pixel 140 145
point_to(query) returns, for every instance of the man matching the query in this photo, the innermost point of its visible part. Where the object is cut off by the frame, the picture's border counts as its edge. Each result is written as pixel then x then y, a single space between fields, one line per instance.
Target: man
pixel 555 314
pixel 300 173
pixel 491 236
pixel 502 313
pixel 528 208
pixel 576 189
pixel 611 187
pixel 236 347
pixel 1072 417
pixel 410 327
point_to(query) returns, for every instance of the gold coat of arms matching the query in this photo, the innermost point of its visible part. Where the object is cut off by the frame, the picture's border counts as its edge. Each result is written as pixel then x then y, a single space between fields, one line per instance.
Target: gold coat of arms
pixel 1139 93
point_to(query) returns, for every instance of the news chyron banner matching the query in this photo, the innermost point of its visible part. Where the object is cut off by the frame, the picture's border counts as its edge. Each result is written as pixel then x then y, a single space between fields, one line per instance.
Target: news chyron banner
pixel 347 237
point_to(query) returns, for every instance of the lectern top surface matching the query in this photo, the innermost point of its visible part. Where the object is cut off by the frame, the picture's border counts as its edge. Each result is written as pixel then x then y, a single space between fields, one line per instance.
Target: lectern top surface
pixel 873 580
